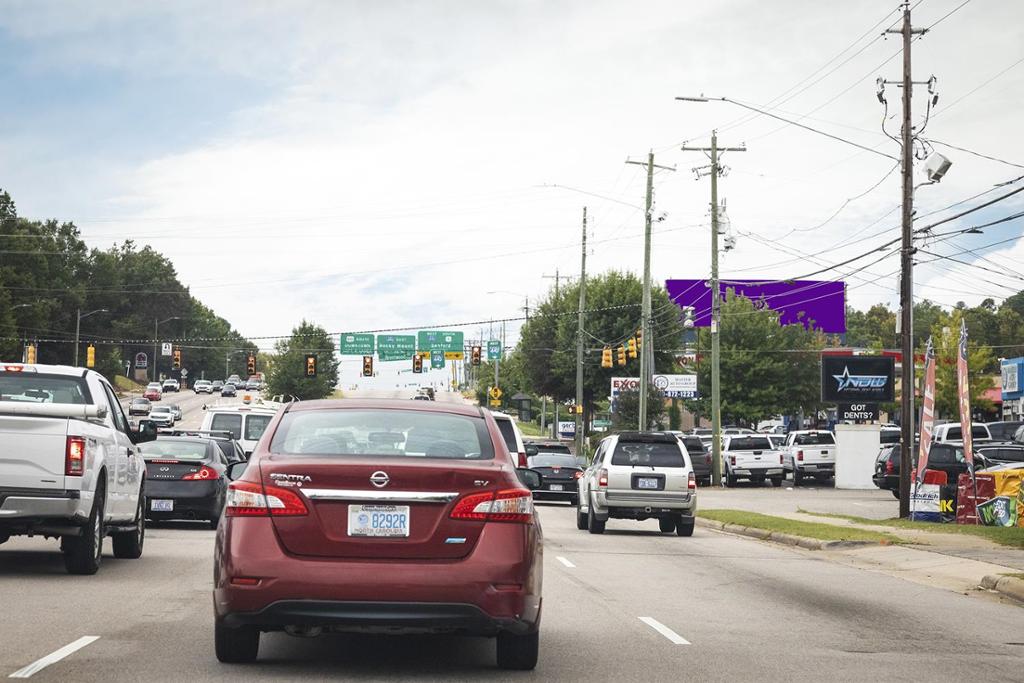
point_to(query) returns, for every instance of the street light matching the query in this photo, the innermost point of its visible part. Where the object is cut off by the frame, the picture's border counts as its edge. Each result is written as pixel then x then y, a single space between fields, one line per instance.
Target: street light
pixel 78 326
pixel 156 341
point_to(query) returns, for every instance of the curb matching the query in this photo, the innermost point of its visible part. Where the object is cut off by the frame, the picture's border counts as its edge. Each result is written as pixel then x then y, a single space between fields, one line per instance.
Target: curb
pixel 790 539
pixel 1007 585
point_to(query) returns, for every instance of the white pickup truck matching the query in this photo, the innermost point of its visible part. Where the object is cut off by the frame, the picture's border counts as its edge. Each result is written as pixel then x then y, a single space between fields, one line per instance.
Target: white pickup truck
pixel 751 456
pixel 810 453
pixel 69 464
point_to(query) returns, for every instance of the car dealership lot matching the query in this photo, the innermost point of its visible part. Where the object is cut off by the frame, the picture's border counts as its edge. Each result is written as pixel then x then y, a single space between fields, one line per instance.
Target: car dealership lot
pixel 632 602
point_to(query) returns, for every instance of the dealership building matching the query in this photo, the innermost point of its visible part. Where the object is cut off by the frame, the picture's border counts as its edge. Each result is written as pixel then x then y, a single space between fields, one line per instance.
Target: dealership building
pixel 1012 383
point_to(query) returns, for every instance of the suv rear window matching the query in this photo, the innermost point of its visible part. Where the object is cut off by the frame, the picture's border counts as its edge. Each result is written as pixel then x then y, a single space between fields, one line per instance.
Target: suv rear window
pixel 393 433
pixel 228 422
pixel 255 425
pixel 957 434
pixel 656 454
pixel 30 387
pixel 749 443
pixel 816 439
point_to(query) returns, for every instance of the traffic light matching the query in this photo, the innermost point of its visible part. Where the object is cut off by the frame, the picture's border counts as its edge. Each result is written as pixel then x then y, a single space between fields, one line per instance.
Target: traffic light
pixel 622 355
pixel 631 347
pixel 639 338
pixel 606 357
pixel 367 366
pixel 417 363
pixel 310 365
pixel 90 356
pixel 250 365
pixel 30 354
pixel 474 355
pixel 177 359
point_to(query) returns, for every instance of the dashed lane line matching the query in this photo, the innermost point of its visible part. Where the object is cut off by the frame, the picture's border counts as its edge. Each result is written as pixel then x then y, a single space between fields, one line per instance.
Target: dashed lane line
pixel 566 562
pixel 672 636
pixel 54 657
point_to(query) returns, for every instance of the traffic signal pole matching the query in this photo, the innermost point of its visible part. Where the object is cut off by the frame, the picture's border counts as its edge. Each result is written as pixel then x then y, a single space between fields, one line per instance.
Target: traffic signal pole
pixel 580 417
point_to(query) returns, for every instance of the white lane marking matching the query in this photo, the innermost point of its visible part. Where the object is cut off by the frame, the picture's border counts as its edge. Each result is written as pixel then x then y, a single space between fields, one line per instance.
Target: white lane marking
pixel 54 657
pixel 674 637
pixel 566 562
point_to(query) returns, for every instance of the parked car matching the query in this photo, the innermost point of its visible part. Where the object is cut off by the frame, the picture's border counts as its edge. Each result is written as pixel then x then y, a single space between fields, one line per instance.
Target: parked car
pixel 153 392
pixel 700 457
pixel 203 386
pixel 139 406
pixel 513 437
pixel 560 472
pixel 69 467
pixel 950 432
pixel 751 456
pixel 217 385
pixel 778 441
pixel 1004 431
pixel 411 517
pixel 810 453
pixel 639 476
pixel 170 385
pixel 185 478
pixel 245 423
pixel 1002 453
pixel 228 390
pixel 945 457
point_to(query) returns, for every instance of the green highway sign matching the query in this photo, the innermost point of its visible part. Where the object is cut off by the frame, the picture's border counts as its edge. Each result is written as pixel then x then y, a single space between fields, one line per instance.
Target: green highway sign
pixel 439 341
pixel 356 345
pixel 494 349
pixel 436 361
pixel 396 346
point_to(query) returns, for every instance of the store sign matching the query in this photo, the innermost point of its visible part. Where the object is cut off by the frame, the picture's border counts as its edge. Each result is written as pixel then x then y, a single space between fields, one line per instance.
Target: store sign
pixel 624 384
pixel 676 386
pixel 857 411
pixel 849 379
pixel 1010 373
pixel 566 430
pixel 141 360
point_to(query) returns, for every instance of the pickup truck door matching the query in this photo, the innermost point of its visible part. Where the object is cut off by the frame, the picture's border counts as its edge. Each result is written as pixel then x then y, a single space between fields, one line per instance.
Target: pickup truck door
pixel 120 458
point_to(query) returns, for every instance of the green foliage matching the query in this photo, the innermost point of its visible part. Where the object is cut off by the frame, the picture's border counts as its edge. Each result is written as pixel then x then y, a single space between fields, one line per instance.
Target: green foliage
pixel 627 409
pixel 675 416
pixel 946 337
pixel 287 374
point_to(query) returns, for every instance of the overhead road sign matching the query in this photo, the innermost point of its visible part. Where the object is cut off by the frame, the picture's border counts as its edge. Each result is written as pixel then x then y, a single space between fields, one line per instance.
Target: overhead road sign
pixel 396 346
pixel 494 349
pixel 356 345
pixel 439 341
pixel 436 361
pixel 454 355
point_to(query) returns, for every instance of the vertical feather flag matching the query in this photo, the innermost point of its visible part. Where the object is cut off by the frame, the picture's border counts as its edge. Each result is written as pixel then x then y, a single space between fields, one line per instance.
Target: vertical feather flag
pixel 927 412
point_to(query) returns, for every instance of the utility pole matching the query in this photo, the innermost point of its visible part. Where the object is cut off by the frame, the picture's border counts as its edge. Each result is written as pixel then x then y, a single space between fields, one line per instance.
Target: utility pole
pixel 716 303
pixel 580 417
pixel 645 314
pixel 556 277
pixel 907 271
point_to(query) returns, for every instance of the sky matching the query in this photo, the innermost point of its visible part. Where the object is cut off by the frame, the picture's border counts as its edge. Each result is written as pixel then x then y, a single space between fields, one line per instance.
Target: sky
pixel 373 166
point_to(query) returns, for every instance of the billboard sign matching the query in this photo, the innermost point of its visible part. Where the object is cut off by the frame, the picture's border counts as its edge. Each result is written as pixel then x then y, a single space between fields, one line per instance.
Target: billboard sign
pixel 676 386
pixel 821 302
pixel 857 379
pixel 1009 373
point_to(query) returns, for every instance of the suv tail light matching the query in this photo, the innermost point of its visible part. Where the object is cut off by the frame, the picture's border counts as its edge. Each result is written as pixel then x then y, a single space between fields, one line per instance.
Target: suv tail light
pixel 800 456
pixel 691 482
pixel 246 499
pixel 889 467
pixel 74 457
pixel 203 474
pixel 509 505
pixel 602 478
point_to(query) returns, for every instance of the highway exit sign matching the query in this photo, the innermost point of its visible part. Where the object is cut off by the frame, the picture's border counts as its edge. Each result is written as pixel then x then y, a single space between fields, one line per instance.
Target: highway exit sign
pixel 439 341
pixel 356 345
pixel 396 346
pixel 494 349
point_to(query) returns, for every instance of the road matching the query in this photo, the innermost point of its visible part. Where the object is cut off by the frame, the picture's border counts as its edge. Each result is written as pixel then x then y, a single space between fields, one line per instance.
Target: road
pixel 745 609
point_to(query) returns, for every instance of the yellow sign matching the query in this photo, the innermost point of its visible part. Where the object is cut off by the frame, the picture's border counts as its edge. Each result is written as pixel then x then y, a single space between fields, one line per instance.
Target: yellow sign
pixel 946 505
pixel 495 402
pixel 425 355
pixel 495 393
pixel 454 355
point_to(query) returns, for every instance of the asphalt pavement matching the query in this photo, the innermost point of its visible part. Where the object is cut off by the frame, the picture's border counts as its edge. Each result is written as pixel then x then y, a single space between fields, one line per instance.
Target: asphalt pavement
pixel 632 604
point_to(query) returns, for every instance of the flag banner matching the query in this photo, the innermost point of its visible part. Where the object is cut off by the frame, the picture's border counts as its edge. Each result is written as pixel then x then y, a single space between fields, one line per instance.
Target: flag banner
pixel 927 412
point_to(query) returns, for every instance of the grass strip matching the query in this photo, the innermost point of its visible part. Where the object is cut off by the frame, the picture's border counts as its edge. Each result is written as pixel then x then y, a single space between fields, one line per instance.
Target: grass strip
pixel 1012 537
pixel 815 530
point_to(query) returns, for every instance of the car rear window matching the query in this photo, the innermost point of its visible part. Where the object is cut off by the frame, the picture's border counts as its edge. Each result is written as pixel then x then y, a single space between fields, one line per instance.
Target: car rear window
pixel 957 434
pixel 648 454
pixel 552 460
pixel 395 433
pixel 553 447
pixel 228 422
pixel 178 450
pixel 749 443
pixel 816 439
pixel 694 444
pixel 508 433
pixel 255 425
pixel 30 387
pixel 889 436
pixel 1004 454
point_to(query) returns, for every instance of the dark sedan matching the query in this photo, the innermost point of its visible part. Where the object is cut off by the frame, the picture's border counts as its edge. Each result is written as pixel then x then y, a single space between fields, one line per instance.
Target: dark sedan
pixel 1003 453
pixel 228 390
pixel 560 472
pixel 185 478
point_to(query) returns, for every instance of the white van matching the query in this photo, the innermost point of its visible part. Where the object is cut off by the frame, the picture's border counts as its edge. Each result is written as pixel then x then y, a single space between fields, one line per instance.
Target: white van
pixel 246 423
pixel 951 432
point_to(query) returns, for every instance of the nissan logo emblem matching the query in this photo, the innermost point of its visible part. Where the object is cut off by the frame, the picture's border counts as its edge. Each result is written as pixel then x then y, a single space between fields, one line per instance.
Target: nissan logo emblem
pixel 379 479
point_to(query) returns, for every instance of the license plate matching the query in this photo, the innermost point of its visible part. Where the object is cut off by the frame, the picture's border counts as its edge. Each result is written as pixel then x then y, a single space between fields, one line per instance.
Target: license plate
pixel 378 521
pixel 556 487
pixel 810 467
pixel 646 483
pixel 161 505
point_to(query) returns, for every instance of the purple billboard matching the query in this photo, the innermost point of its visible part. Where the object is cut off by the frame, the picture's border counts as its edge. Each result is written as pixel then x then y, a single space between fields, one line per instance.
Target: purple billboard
pixel 818 302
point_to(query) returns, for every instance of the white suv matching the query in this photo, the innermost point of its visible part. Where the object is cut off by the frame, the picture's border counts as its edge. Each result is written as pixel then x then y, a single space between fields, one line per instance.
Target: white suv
pixel 639 475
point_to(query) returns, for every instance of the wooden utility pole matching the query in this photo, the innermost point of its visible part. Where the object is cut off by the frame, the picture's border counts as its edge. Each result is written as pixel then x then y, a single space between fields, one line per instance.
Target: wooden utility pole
pixel 580 418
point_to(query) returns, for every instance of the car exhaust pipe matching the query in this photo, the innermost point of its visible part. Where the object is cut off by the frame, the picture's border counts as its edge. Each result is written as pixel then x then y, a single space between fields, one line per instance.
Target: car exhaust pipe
pixel 303 631
pixel 647 510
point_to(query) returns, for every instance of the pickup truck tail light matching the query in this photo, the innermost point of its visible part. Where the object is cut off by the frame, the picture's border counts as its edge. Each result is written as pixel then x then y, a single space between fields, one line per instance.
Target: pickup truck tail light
pixel 510 505
pixel 732 460
pixel 800 456
pixel 780 458
pixel 74 457
pixel 204 473
pixel 578 474
pixel 246 499
pixel 691 482
pixel 602 478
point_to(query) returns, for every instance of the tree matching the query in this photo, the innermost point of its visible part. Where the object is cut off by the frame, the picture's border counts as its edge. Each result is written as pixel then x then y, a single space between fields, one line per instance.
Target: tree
pixel 627 409
pixel 288 370
pixel 946 338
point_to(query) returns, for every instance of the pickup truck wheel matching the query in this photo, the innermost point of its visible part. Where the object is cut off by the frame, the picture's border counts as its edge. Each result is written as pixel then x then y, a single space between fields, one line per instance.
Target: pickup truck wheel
pixel 82 553
pixel 518 652
pixel 594 525
pixel 777 482
pixel 128 545
pixel 236 645
pixel 667 525
pixel 730 479
pixel 684 527
pixel 798 477
pixel 581 518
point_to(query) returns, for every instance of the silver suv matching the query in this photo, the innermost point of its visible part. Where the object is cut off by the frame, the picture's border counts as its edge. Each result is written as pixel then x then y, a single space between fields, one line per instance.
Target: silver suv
pixel 639 475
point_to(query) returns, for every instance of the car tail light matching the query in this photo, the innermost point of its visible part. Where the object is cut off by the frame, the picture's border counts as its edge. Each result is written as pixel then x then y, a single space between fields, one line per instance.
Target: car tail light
pixel 707 459
pixel 522 459
pixel 246 499
pixel 203 474
pixel 602 478
pixel 510 505
pixel 800 456
pixel 889 467
pixel 691 482
pixel 577 475
pixel 732 460
pixel 74 457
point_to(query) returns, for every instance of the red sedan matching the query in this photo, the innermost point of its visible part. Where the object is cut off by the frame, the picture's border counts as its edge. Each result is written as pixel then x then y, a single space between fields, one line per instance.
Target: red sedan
pixel 153 394
pixel 396 516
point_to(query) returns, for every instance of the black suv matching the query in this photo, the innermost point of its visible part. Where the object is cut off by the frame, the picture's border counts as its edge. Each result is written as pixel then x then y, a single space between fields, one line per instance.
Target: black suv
pixel 945 457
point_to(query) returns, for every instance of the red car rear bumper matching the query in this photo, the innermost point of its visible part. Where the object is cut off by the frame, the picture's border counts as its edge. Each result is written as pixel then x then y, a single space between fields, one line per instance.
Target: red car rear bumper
pixel 496 587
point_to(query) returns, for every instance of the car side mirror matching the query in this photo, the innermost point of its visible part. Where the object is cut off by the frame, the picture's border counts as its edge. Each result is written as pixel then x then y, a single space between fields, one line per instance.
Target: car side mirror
pixel 236 469
pixel 146 432
pixel 531 479
pixel 532 450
